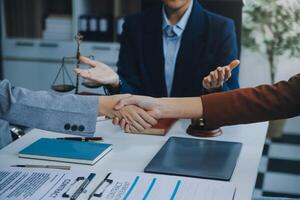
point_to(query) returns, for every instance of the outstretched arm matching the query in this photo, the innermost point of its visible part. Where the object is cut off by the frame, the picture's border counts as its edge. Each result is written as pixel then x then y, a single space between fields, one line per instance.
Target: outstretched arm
pixel 188 107
pixel 39 109
pixel 262 103
pixel 64 113
pixel 248 105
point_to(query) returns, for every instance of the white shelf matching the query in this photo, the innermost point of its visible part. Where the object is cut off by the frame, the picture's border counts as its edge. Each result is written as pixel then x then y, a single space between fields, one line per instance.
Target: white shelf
pixel 34 49
pixel 105 52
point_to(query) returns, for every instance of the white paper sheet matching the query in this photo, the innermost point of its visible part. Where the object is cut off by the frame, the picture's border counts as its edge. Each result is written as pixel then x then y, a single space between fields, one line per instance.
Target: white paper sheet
pixel 28 183
pixel 136 186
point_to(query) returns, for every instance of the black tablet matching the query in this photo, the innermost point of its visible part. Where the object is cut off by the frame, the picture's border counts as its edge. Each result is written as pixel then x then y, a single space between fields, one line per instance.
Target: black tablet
pixel 196 158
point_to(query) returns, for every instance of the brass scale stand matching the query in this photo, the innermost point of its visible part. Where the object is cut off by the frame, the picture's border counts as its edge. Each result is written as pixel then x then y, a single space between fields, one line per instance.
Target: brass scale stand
pixel 64 87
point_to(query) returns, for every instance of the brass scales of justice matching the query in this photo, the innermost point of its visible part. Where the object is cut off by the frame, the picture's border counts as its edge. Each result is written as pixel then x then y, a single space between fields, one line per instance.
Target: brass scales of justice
pixel 64 86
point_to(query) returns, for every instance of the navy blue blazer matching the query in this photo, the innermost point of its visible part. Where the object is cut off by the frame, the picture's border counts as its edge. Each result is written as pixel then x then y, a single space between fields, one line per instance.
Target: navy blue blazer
pixel 208 41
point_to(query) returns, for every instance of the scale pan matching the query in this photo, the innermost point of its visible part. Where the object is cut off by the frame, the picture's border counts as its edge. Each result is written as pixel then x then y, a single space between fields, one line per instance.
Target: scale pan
pixel 62 88
pixel 91 84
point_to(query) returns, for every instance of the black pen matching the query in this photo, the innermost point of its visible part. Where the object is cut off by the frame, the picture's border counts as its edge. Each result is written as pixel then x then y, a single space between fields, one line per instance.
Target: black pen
pixel 83 186
pixel 44 166
pixel 83 139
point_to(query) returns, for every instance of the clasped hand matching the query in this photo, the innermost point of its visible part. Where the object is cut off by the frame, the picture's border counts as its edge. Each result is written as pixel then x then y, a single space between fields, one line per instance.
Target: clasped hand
pixel 132 116
pixel 132 113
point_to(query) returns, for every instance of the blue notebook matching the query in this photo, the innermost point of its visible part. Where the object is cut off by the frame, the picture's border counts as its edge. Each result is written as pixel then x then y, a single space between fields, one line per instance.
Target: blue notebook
pixel 66 151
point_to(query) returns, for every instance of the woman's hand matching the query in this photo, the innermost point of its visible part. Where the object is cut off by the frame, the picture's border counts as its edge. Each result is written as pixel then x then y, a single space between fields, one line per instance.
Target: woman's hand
pixel 98 73
pixel 150 104
pixel 216 78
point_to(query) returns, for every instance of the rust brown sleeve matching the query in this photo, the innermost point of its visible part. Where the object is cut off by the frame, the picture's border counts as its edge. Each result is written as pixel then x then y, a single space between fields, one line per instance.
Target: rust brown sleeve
pixel 248 105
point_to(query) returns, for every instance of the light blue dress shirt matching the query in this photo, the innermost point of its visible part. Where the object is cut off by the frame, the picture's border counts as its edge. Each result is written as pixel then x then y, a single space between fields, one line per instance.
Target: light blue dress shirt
pixel 172 35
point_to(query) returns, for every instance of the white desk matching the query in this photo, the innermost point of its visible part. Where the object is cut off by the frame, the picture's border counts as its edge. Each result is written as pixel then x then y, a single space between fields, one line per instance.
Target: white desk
pixel 133 152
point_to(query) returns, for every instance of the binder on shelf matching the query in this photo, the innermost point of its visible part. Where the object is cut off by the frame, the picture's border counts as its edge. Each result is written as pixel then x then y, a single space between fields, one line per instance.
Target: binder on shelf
pixel 96 28
pixel 93 28
pixel 105 28
pixel 103 25
pixel 119 27
pixel 83 26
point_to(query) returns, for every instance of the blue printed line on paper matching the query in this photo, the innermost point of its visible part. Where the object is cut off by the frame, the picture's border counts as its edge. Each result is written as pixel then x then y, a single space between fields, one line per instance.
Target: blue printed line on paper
pixel 175 190
pixel 131 187
pixel 149 189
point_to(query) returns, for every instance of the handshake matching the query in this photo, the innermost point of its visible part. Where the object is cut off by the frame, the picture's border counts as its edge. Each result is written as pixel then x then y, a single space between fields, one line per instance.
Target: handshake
pixel 132 113
pixel 135 113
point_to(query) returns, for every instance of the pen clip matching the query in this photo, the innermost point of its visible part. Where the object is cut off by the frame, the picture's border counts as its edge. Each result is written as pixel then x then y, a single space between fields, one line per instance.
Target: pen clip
pixel 105 180
pixel 76 181
pixel 109 181
pixel 82 186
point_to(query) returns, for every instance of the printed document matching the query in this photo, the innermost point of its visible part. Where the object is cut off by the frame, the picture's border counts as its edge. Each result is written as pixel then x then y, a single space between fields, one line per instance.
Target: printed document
pixel 28 183
pixel 134 186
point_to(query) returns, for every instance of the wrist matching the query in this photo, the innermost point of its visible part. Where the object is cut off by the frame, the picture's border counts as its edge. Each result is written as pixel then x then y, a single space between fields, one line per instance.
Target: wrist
pixel 113 89
pixel 213 90
pixel 103 105
pixel 164 108
pixel 116 82
pixel 189 107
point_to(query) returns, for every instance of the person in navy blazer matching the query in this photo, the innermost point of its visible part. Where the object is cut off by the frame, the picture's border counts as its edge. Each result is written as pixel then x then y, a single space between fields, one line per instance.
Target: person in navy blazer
pixel 208 41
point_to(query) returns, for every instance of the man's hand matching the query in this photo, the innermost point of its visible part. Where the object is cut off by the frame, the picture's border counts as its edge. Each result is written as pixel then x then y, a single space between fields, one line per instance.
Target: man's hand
pixel 98 73
pixel 151 105
pixel 216 78
pixel 136 119
pixel 107 104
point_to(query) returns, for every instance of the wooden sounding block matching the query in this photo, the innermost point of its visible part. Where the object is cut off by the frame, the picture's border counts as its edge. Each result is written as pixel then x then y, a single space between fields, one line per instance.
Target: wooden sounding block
pixel 161 128
pixel 196 129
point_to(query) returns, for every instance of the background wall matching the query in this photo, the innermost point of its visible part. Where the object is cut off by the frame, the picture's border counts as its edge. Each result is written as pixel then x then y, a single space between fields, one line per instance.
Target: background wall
pixel 255 69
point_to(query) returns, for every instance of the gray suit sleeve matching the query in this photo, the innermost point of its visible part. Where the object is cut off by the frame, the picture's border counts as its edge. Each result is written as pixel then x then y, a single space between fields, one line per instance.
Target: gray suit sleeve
pixel 45 110
pixel 5 136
